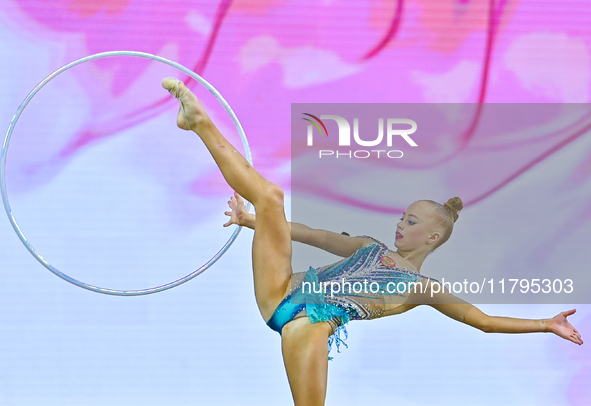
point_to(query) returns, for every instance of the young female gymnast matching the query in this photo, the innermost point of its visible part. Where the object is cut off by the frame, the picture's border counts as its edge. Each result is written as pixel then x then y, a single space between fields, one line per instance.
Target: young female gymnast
pixel 307 318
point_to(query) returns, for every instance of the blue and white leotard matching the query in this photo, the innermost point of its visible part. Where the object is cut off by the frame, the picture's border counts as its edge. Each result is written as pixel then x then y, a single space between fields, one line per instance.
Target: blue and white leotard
pixel 368 265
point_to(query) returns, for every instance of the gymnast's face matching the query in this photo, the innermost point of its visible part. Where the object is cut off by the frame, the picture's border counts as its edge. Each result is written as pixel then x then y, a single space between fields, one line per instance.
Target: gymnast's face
pixel 416 229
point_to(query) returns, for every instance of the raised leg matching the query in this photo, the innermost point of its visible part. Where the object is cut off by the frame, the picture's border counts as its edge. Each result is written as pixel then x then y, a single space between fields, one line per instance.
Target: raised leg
pixel 271 248
pixel 305 354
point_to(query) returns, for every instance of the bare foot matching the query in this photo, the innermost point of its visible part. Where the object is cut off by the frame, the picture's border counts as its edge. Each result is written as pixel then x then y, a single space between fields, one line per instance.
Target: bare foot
pixel 191 113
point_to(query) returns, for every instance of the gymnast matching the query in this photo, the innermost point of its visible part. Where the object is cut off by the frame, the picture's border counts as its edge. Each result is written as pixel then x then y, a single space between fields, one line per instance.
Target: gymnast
pixel 309 319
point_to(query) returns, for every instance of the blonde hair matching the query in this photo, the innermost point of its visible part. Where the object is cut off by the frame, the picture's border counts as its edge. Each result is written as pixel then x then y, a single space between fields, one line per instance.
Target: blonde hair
pixel 446 216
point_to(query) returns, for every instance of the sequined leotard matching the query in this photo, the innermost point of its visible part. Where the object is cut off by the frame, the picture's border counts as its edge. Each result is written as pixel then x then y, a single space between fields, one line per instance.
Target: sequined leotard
pixel 364 286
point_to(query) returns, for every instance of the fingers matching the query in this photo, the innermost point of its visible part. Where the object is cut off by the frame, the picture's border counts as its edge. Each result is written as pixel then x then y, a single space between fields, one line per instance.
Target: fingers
pixel 233 204
pixel 236 201
pixel 569 312
pixel 575 337
pixel 238 198
pixel 577 340
pixel 231 221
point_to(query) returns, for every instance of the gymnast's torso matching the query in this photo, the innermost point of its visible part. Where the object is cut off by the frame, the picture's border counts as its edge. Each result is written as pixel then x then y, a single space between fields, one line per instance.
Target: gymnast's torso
pixel 366 285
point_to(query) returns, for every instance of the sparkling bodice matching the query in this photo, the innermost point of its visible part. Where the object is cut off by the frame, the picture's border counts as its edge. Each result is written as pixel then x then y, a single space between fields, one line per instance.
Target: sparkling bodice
pixel 368 284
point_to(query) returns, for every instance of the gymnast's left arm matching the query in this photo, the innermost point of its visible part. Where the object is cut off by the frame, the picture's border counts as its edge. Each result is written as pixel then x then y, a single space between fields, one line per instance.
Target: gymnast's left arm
pixel 467 313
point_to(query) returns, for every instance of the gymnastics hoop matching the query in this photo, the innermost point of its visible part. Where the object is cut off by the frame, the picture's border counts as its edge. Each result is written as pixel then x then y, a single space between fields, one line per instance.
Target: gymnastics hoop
pixel 28 245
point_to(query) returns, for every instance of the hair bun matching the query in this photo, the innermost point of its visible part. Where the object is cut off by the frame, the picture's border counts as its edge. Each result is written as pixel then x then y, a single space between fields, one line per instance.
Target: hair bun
pixel 454 205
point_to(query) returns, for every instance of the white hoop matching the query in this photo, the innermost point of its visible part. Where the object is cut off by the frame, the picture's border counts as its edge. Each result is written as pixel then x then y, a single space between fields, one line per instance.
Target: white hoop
pixel 15 225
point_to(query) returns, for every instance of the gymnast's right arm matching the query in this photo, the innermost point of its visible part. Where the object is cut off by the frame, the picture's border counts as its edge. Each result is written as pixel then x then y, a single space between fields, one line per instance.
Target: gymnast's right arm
pixel 337 244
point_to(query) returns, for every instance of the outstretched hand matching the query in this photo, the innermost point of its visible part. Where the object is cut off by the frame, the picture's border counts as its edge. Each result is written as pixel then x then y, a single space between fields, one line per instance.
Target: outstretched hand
pixel 237 213
pixel 560 326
